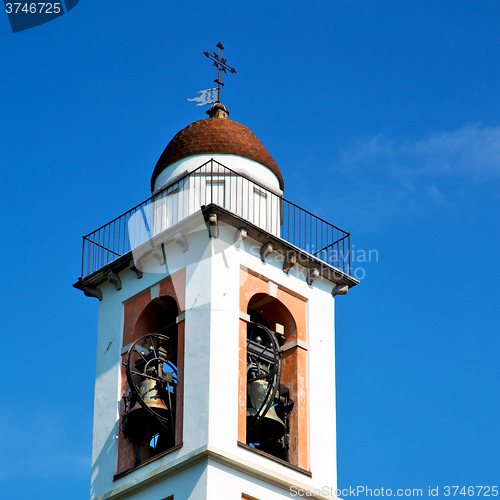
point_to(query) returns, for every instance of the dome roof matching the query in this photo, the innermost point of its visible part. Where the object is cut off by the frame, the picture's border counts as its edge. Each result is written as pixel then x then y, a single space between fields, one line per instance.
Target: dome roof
pixel 217 135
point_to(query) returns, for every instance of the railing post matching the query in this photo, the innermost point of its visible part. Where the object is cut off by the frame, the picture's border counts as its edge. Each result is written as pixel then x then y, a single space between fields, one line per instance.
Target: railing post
pixel 345 258
pixel 349 243
pixel 211 181
pixel 83 257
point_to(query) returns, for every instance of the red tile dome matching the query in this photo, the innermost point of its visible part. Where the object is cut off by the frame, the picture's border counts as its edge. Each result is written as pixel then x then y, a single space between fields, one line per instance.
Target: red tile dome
pixel 215 136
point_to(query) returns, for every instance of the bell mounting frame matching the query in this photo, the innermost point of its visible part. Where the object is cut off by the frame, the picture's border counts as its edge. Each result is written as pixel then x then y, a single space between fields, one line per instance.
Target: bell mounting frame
pixel 268 353
pixel 154 356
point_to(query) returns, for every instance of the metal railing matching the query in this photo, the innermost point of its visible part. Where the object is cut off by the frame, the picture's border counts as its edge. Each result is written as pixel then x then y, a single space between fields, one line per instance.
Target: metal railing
pixel 215 183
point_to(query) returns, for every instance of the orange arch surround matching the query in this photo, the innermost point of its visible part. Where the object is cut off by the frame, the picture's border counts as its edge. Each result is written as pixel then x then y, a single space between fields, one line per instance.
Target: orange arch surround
pixel 288 310
pixel 142 315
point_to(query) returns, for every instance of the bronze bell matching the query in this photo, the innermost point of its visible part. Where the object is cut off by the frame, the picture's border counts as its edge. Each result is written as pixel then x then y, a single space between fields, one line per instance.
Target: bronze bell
pixel 271 427
pixel 140 423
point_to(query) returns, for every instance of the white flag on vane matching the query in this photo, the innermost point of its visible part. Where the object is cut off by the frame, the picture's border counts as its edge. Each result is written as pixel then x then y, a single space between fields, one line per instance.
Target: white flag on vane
pixel 208 96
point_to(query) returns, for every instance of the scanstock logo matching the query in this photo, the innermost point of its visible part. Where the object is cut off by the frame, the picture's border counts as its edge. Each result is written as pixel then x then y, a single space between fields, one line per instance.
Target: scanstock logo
pixel 25 15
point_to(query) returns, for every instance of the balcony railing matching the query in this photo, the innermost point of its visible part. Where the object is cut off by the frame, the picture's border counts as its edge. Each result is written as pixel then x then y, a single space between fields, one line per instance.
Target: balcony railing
pixel 212 182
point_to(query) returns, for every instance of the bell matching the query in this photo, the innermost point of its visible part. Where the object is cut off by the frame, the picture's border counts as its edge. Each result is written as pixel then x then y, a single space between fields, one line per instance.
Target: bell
pixel 271 427
pixel 140 422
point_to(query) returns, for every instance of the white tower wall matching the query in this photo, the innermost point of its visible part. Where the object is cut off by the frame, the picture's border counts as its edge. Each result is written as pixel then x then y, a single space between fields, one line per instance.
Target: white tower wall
pixel 210 464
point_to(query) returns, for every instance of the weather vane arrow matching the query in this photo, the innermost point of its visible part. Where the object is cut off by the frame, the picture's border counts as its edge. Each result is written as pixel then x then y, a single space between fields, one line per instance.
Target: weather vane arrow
pixel 207 96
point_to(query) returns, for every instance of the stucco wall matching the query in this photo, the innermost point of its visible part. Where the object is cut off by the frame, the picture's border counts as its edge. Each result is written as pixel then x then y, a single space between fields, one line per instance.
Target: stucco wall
pixel 211 372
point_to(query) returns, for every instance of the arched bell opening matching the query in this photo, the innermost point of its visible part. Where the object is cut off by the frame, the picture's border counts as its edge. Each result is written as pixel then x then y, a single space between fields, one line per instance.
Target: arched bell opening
pixel 270 402
pixel 271 312
pixel 148 421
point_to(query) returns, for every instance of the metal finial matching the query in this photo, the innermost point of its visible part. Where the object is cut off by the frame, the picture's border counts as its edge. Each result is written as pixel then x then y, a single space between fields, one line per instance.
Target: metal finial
pixel 220 63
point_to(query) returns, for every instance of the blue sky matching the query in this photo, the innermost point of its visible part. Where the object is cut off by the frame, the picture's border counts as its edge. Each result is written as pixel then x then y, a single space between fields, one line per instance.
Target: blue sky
pixel 384 117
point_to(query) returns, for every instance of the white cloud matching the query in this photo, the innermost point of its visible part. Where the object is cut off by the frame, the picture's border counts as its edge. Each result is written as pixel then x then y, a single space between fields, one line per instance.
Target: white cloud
pixel 472 152
pixel 434 192
pixel 382 177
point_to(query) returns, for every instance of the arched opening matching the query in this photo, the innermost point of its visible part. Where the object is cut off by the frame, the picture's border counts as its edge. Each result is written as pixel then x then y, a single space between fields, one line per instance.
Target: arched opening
pixel 268 310
pixel 270 402
pixel 151 393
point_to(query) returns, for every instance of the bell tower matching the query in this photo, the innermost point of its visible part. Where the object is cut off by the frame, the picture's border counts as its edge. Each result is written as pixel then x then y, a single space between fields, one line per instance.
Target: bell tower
pixel 215 375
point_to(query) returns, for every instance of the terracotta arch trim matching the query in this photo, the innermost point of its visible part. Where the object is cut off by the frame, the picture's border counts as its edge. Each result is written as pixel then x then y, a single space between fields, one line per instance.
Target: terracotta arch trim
pixel 294 374
pixel 172 286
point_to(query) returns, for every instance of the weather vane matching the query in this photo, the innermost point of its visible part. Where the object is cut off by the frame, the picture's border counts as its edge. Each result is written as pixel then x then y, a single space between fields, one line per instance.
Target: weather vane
pixel 207 96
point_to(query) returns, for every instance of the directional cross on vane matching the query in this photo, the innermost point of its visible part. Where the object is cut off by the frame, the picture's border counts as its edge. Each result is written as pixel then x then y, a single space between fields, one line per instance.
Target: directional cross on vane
pixel 220 63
